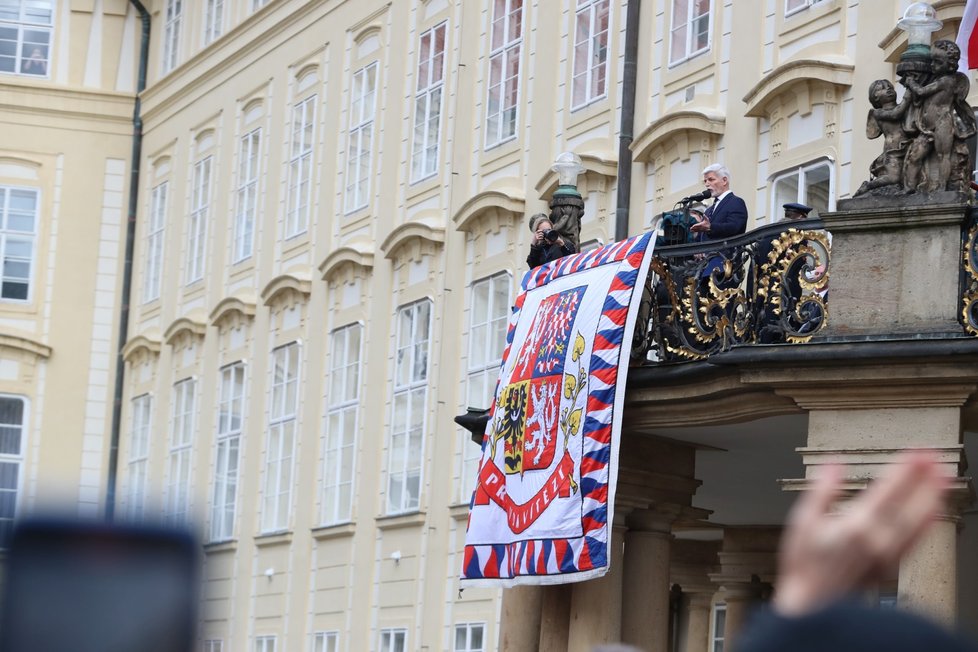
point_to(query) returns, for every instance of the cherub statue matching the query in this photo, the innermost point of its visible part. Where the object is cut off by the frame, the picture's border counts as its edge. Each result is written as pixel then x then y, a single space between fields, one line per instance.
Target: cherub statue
pixel 886 119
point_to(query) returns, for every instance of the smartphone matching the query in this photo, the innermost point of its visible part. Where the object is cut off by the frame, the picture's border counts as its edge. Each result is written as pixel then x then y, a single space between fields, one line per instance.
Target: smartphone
pixel 70 586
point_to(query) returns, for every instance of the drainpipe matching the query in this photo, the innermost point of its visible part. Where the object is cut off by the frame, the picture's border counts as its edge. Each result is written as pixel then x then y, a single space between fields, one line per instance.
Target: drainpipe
pixel 632 15
pixel 120 363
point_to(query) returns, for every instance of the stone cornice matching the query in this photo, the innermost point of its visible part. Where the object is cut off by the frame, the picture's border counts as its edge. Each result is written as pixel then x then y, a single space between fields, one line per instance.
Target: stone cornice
pixel 345 255
pixel 26 344
pixel 603 165
pixel 508 201
pixel 837 71
pixel 293 281
pixel 149 342
pixel 711 122
pixel 244 306
pixel 106 107
pixel 194 325
pixel 408 232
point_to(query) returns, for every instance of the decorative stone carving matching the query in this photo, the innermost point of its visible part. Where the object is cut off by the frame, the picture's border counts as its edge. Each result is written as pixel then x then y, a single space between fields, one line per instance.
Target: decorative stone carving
pixel 924 136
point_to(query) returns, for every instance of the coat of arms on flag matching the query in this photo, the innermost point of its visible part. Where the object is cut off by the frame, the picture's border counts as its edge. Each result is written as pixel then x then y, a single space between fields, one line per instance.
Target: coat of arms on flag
pixel 545 493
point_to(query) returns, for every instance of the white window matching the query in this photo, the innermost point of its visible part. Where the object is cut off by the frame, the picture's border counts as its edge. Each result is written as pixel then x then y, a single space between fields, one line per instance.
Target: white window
pixel 25 36
pixel 792 6
pixel 326 642
pixel 258 4
pixel 427 103
pixel 393 640
pixel 13 415
pixel 277 496
pixel 213 20
pixel 173 18
pixel 264 644
pixel 690 34
pixel 591 51
pixel 214 645
pixel 488 314
pixel 504 71
pixel 182 425
pixel 230 422
pixel 247 201
pixel 154 243
pixel 409 406
pixel 717 626
pixel 300 167
pixel 812 185
pixel 197 229
pixel 142 407
pixel 360 146
pixel 469 637
pixel 341 423
pixel 18 227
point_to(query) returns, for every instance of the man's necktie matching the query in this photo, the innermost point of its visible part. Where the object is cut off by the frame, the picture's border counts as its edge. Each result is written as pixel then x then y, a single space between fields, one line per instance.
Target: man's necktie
pixel 709 209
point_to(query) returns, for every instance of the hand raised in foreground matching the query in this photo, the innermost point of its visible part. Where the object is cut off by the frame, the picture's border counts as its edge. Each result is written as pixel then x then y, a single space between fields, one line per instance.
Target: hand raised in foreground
pixel 825 556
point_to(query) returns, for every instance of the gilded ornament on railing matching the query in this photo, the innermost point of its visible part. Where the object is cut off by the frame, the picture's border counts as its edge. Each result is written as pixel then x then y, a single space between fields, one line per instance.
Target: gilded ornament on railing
pixel 766 287
pixel 969 311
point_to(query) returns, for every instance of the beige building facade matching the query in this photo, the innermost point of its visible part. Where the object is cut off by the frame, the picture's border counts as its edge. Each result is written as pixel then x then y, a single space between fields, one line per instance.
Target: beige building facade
pixel 330 229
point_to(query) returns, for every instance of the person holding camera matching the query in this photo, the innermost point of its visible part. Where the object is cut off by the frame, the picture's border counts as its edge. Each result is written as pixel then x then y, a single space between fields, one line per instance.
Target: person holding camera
pixel 547 245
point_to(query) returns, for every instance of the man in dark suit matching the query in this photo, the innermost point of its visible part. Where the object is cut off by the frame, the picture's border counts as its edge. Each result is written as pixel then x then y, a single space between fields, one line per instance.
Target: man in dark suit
pixel 728 215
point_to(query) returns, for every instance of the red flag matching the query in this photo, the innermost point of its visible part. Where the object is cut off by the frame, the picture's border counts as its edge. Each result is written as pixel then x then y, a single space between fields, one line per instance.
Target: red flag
pixel 968 37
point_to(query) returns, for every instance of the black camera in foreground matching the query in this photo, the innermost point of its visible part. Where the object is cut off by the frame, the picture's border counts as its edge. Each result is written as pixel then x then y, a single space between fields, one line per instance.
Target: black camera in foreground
pixel 551 235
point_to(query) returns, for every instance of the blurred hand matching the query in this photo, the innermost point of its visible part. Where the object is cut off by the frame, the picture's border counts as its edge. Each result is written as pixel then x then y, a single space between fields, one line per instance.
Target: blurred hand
pixel 825 556
pixel 701 227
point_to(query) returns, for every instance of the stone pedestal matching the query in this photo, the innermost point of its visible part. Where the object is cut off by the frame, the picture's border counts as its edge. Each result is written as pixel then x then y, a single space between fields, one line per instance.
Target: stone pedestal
pixel 928 574
pixel 895 271
pixel 521 613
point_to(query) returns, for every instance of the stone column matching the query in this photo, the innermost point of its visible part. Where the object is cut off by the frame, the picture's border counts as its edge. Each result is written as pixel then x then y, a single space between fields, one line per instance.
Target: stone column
pixel 520 619
pixel 928 573
pixel 748 565
pixel 740 598
pixel 555 623
pixel 645 601
pixel 698 622
pixel 595 614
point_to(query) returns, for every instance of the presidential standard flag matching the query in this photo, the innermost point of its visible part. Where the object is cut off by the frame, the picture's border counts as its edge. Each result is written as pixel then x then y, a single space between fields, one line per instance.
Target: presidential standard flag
pixel 546 485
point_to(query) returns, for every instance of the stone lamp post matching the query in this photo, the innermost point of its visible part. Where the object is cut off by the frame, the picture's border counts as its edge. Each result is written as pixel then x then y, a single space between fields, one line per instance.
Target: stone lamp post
pixel 567 205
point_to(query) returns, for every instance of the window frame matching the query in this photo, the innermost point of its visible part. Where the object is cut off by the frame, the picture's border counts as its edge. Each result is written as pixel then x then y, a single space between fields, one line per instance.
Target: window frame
pixel 22 25
pixel 805 4
pixel 507 49
pixel 340 455
pixel 326 641
pixel 230 411
pixel 183 426
pixel 487 368
pixel 282 419
pixel 213 645
pixel 361 127
pixel 301 163
pixel 200 204
pixel 591 9
pixel 390 644
pixel 408 347
pixel 688 23
pixel 172 26
pixel 718 608
pixel 140 445
pixel 266 643
pixel 802 195
pixel 469 628
pixel 213 29
pixel 16 459
pixel 7 235
pixel 247 196
pixel 155 242
pixel 430 82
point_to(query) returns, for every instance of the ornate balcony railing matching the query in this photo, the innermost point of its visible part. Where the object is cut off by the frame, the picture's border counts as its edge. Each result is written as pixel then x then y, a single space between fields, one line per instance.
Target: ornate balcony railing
pixel 767 286
pixel 969 275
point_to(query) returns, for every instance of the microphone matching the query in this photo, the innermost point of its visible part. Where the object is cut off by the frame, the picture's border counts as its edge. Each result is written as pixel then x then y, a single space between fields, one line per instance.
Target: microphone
pixel 706 194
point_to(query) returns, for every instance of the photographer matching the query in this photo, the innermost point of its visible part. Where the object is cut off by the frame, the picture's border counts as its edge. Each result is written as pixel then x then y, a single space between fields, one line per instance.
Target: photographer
pixel 546 245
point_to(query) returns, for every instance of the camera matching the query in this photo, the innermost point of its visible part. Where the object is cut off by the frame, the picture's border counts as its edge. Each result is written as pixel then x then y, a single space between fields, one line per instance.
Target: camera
pixel 550 235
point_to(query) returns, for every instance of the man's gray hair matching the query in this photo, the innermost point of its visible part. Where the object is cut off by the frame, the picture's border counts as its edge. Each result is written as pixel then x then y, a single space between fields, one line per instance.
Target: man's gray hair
pixel 720 170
